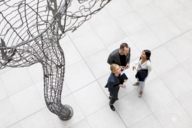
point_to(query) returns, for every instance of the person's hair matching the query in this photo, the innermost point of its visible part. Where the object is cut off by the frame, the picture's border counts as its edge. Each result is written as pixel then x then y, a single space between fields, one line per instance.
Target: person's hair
pixel 147 53
pixel 113 67
pixel 123 45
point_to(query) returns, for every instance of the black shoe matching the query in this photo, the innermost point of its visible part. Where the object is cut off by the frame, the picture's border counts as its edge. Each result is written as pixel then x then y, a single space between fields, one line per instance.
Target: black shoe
pixel 112 107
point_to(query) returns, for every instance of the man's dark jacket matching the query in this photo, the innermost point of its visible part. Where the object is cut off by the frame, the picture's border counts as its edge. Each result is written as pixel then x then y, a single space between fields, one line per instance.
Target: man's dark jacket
pixel 114 57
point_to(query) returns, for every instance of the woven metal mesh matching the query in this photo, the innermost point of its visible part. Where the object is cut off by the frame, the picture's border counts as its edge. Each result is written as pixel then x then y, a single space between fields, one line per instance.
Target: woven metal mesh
pixel 30 31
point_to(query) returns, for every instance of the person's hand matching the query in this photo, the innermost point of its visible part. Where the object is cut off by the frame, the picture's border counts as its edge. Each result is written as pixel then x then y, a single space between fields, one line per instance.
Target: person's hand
pixel 122 68
pixel 127 66
pixel 124 84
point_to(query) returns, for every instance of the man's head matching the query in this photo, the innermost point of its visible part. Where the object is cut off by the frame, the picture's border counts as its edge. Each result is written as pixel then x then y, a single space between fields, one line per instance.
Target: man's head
pixel 124 49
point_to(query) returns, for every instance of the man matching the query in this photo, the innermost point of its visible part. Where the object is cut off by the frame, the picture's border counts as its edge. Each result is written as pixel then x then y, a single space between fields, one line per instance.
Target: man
pixel 120 56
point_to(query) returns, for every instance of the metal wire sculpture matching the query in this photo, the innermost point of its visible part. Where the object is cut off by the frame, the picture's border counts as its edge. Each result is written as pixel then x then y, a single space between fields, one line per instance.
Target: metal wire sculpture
pixel 30 31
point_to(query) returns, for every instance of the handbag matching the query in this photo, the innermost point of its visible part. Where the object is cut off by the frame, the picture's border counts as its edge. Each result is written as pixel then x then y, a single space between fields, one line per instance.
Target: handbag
pixel 141 74
pixel 122 78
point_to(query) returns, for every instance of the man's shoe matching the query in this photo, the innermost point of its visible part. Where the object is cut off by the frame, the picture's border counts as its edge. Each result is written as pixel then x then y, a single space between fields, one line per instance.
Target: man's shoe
pixel 112 107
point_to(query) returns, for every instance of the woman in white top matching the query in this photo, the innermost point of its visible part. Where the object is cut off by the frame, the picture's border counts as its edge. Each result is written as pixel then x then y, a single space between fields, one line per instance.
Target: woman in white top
pixel 143 68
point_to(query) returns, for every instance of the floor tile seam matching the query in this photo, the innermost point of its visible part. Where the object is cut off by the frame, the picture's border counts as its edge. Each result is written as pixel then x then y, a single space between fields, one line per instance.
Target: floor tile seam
pixel 28 116
pixel 84 60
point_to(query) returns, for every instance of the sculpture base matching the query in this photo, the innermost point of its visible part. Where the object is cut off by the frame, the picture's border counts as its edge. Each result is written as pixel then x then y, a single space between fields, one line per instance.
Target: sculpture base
pixel 66 113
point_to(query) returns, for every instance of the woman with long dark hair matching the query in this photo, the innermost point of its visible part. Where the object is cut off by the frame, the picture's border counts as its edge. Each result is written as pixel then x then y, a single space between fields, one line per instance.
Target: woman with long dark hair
pixel 143 68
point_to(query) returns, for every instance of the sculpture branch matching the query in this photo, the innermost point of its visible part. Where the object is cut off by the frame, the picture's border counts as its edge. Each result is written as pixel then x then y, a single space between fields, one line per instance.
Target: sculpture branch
pixel 30 31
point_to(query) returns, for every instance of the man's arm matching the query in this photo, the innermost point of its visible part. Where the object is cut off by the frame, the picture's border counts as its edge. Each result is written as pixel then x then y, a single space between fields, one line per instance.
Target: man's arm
pixel 114 57
pixel 128 59
pixel 110 59
pixel 129 56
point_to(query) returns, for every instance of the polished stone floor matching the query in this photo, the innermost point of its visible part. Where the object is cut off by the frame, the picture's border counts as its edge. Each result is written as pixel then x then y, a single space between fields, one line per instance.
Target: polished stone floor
pixel 163 26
